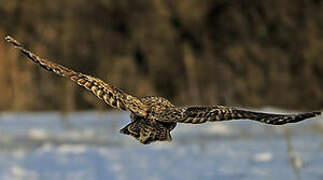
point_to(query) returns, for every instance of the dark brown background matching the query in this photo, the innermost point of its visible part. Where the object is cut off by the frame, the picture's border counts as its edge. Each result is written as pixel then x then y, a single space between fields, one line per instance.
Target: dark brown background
pixel 239 53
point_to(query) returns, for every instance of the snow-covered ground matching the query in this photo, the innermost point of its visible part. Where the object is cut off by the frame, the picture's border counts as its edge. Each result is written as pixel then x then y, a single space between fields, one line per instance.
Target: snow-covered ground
pixel 88 145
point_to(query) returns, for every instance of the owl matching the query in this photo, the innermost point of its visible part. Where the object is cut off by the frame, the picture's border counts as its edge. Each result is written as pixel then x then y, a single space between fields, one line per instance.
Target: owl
pixel 153 118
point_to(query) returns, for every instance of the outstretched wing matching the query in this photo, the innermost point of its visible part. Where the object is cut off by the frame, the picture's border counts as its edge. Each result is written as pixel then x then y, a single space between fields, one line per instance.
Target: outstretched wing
pixel 111 95
pixel 197 115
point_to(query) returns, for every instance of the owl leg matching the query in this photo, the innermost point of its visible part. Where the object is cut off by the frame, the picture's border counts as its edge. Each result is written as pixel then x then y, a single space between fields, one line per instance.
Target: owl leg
pixel 131 129
pixel 145 136
pixel 141 131
pixel 148 131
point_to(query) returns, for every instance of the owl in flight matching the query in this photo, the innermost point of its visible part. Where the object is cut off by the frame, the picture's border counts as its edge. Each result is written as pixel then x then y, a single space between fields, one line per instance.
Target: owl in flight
pixel 153 118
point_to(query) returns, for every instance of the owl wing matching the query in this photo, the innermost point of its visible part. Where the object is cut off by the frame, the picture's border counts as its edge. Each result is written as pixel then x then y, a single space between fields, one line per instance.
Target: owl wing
pixel 111 95
pixel 197 115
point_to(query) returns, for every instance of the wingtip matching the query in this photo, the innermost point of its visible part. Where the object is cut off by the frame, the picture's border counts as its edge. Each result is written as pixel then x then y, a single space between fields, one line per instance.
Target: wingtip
pixel 11 40
pixel 8 38
pixel 317 113
pixel 313 114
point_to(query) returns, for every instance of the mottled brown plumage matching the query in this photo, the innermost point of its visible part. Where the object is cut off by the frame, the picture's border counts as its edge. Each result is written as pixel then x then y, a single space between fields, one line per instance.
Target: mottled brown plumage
pixel 153 118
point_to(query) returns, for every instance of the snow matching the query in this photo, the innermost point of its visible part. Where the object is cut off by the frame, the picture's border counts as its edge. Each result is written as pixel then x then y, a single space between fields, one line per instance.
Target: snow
pixel 263 157
pixel 88 145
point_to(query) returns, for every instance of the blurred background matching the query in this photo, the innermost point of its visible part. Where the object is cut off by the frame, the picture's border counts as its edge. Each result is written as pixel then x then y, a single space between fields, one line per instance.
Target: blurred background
pixel 264 55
